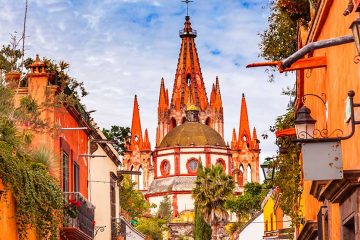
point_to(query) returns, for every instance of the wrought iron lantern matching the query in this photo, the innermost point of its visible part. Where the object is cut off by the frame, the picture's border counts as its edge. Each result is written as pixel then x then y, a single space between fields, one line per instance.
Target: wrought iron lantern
pixel 304 123
pixel 268 169
pixel 355 28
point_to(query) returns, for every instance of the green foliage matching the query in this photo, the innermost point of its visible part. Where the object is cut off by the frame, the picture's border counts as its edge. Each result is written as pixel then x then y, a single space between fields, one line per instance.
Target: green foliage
pixel 164 210
pixel 247 205
pixel 212 188
pixel 202 229
pixel 288 174
pixel 152 227
pixel 279 40
pixel 10 55
pixel 63 79
pixel 37 194
pixel 155 226
pixel 132 200
pixel 119 134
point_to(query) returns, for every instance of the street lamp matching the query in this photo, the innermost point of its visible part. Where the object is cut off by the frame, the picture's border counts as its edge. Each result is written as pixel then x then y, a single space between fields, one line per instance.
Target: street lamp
pixel 306 133
pixel 355 28
pixel 304 123
pixel 268 169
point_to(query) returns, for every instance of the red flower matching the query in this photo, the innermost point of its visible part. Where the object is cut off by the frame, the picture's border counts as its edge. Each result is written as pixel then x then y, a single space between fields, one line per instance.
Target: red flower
pixel 77 204
pixel 94 222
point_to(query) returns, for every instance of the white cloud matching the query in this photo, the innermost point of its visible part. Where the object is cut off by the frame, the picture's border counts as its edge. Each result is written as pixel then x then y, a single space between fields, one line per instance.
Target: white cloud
pixel 113 49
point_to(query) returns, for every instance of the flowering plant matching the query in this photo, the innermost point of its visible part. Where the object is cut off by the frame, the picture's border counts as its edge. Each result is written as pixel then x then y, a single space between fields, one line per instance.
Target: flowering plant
pixel 71 208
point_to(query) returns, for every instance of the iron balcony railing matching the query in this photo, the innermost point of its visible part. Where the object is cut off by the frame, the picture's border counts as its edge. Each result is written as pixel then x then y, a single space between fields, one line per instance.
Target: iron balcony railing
pixel 79 213
pixel 184 33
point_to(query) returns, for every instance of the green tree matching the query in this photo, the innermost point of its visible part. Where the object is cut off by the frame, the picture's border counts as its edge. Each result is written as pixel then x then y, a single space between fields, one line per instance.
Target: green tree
pixel 202 229
pixel 164 210
pixel 247 205
pixel 288 174
pixel 119 134
pixel 279 40
pixel 152 227
pixel 132 200
pixel 210 193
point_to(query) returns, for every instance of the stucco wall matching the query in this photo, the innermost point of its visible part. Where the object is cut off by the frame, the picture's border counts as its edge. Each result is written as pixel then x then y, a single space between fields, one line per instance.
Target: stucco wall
pixel 99 191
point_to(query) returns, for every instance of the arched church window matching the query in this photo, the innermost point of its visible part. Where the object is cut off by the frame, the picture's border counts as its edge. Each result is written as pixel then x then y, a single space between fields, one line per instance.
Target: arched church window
pixel 244 138
pixel 132 176
pixel 136 138
pixel 183 120
pixel 240 179
pixel 208 122
pixel 221 163
pixel 248 173
pixel 141 179
pixel 188 80
pixel 165 168
pixel 192 165
pixel 172 123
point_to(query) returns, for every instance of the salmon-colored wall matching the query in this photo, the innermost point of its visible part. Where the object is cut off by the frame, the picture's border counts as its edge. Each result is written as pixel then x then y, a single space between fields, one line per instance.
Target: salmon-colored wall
pixel 333 83
pixel 77 142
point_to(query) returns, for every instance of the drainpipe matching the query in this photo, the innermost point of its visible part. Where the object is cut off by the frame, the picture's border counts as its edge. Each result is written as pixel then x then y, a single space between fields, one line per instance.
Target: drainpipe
pixel 315 45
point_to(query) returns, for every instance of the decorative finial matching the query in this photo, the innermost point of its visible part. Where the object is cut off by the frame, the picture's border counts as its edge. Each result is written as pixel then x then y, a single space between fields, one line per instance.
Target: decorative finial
pixel 187 6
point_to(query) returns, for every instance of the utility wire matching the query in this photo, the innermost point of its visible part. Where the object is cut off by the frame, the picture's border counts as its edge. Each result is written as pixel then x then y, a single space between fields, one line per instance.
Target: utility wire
pixel 23 35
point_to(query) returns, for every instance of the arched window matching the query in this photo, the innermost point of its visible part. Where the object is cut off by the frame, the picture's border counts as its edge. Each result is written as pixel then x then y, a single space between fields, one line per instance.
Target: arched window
pixel 165 168
pixel 221 162
pixel 172 123
pixel 208 122
pixel 248 173
pixel 188 80
pixel 192 165
pixel 132 176
pixel 240 179
pixel 141 179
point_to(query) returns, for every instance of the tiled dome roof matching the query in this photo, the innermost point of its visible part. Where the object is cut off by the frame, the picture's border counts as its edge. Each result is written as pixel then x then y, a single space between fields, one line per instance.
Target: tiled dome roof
pixel 192 134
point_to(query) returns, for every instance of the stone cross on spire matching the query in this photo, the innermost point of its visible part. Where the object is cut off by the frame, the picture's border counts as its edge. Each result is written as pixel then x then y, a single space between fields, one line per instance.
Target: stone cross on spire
pixel 187 6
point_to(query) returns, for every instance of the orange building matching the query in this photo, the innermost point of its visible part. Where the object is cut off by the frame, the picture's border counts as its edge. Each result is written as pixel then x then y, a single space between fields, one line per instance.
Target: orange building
pixel 69 143
pixel 331 207
pixel 327 65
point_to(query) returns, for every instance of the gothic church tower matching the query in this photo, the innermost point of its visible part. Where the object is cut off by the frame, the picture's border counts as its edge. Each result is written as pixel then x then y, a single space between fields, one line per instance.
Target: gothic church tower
pixel 188 84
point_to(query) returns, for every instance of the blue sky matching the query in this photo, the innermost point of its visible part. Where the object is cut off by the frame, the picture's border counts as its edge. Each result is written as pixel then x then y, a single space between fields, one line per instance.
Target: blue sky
pixel 120 48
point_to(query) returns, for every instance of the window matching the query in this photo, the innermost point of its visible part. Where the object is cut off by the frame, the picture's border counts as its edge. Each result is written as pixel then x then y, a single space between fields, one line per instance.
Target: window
pixel 192 165
pixel 165 168
pixel 141 179
pixel 65 168
pixel 221 163
pixel 76 178
pixel 132 175
pixel 113 195
pixel 248 174
pixel 188 80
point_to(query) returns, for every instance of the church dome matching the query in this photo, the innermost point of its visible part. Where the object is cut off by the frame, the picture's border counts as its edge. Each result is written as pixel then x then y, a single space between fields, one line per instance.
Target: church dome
pixel 192 134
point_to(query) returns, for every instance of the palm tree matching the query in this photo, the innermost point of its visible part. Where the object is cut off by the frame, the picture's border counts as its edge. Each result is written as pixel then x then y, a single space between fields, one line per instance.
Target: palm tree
pixel 213 186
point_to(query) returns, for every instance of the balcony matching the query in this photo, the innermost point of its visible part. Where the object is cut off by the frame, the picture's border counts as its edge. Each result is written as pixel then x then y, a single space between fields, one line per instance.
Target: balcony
pixel 78 222
pixel 284 233
pixel 183 33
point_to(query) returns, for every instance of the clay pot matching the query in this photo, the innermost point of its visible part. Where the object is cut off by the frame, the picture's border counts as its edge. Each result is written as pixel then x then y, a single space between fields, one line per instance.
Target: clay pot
pixel 12 79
